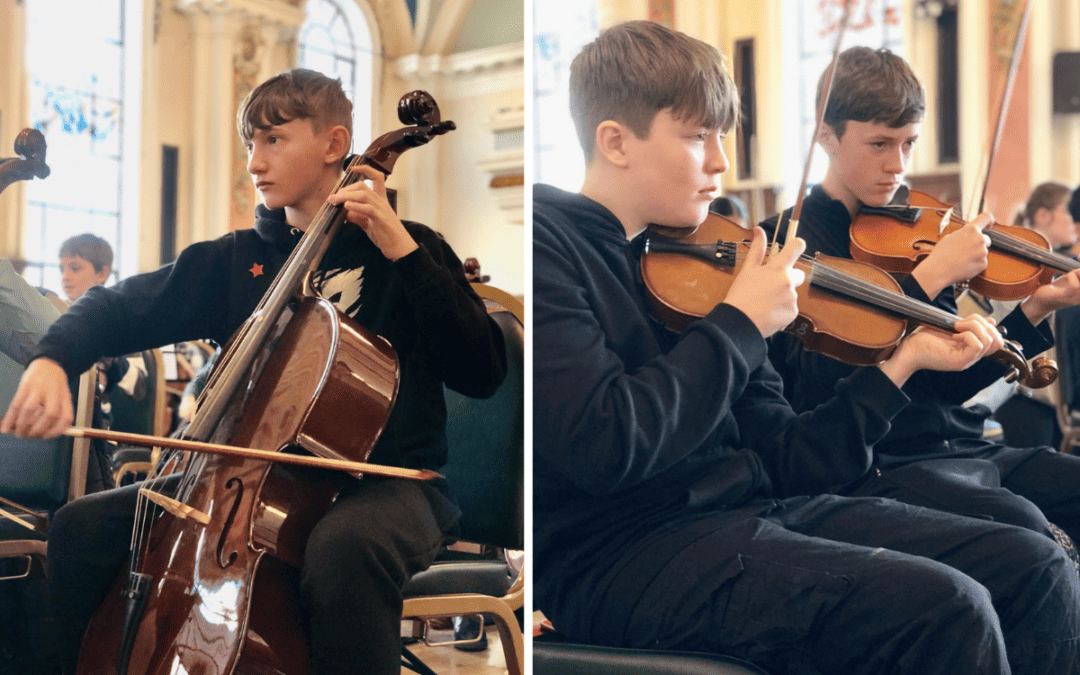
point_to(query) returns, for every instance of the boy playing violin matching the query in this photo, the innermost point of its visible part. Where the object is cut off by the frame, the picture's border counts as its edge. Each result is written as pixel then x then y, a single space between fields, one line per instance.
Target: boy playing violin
pixel 935 454
pixel 668 467
pixel 399 280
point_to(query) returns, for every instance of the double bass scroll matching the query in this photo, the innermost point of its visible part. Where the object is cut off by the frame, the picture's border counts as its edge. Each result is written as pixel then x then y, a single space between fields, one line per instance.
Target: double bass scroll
pixel 30 144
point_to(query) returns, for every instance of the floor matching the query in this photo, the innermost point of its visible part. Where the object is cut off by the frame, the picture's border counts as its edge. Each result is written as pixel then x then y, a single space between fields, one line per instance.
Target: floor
pixel 451 661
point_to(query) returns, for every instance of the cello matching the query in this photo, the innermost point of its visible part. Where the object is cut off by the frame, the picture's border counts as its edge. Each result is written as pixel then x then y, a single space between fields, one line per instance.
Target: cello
pixel 211 585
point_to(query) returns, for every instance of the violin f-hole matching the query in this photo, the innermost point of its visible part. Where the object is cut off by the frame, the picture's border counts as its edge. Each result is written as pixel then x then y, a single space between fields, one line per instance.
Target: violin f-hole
pixel 239 485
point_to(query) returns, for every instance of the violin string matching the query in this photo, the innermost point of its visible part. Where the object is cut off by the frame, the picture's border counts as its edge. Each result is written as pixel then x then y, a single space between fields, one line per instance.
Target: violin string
pixel 860 289
pixel 865 291
pixel 1007 242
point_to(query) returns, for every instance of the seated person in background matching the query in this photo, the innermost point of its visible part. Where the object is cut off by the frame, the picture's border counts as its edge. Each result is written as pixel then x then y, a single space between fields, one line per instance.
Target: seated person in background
pixel 1047 212
pixel 668 467
pixel 25 315
pixel 85 262
pixel 1074 213
pixel 936 454
pixel 732 207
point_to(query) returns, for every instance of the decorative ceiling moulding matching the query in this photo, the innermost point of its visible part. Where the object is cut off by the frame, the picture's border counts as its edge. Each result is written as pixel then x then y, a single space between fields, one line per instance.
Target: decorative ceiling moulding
pixel 273 11
pixel 468 74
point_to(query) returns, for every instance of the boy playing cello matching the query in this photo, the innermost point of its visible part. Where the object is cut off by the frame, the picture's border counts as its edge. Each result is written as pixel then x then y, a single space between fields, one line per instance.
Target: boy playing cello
pixel 399 280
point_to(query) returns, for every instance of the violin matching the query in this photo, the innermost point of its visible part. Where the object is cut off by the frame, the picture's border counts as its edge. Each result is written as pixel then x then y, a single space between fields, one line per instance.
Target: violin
pixel 849 310
pixel 212 585
pixel 30 144
pixel 897 238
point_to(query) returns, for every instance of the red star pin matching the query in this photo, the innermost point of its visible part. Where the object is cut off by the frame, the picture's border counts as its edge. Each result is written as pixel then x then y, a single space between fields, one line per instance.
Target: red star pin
pixel 256 270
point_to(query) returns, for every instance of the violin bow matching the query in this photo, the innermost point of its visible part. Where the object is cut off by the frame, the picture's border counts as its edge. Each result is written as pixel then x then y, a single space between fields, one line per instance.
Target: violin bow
pixel 796 211
pixel 1003 107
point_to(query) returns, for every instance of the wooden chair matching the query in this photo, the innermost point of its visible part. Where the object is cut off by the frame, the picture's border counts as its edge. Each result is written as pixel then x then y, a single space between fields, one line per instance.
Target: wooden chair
pixel 146 416
pixel 486 472
pixel 42 476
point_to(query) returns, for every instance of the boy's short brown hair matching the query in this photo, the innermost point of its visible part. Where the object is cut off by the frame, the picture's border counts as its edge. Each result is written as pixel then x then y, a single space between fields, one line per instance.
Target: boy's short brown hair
pixel 91 248
pixel 634 70
pixel 872 85
pixel 296 94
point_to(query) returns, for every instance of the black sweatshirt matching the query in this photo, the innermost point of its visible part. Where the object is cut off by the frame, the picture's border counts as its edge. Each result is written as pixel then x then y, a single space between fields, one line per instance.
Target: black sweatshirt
pixel 421 303
pixel 936 423
pixel 634 425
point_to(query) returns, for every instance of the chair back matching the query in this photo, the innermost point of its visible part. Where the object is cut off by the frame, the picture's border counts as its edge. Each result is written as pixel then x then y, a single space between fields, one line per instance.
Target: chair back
pixel 486 462
pixel 43 475
pixel 146 415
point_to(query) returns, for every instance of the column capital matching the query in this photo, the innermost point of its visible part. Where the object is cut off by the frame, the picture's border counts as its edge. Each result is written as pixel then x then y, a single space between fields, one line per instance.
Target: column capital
pixel 279 13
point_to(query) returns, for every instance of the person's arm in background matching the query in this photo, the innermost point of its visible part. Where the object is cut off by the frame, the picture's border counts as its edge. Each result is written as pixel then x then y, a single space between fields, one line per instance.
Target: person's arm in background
pixel 25 315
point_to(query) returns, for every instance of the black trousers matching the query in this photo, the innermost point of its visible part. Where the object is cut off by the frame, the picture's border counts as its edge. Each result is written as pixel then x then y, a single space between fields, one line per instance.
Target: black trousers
pixel 847 586
pixel 378 533
pixel 1029 487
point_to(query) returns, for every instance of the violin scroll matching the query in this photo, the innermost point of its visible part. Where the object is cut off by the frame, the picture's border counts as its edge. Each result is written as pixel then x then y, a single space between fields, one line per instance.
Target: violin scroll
pixel 1044 372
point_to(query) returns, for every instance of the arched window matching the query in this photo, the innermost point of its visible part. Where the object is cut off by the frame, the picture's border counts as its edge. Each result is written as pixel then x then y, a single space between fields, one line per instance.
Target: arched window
pixel 78 56
pixel 336 40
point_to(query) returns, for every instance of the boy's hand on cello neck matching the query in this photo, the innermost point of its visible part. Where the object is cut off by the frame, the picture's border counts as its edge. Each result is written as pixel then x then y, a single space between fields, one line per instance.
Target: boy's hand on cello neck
pixel 368 207
pixel 42 405
pixel 957 257
pixel 931 349
pixel 764 289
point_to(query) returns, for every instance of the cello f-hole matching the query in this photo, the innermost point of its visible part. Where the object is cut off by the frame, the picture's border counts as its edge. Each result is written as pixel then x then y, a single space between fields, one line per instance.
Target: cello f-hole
pixel 239 485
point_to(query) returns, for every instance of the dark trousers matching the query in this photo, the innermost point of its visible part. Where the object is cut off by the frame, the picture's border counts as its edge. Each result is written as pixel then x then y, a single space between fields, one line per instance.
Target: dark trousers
pixel 848 586
pixel 1029 487
pixel 378 533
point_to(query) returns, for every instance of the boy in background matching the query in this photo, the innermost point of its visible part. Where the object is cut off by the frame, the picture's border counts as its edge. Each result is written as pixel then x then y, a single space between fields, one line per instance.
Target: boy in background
pixel 935 455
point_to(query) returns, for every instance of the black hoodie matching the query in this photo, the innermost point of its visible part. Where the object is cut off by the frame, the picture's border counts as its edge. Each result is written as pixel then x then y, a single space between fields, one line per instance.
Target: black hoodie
pixel 936 424
pixel 635 425
pixel 421 303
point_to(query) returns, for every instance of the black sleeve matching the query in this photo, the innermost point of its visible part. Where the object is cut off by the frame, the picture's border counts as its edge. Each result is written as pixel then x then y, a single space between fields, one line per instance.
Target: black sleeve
pixel 464 345
pixel 957 387
pixel 606 427
pixel 185 300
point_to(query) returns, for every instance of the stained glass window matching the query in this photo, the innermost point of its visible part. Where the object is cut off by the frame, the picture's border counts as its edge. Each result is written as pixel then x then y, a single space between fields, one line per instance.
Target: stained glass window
pixel 76 61
pixel 336 41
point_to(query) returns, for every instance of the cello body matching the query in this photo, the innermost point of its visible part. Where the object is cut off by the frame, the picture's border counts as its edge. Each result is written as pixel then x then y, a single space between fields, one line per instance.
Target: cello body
pixel 223 598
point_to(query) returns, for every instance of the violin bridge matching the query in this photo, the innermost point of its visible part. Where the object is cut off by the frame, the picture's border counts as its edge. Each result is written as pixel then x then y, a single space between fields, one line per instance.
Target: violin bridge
pixel 946 219
pixel 178 509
